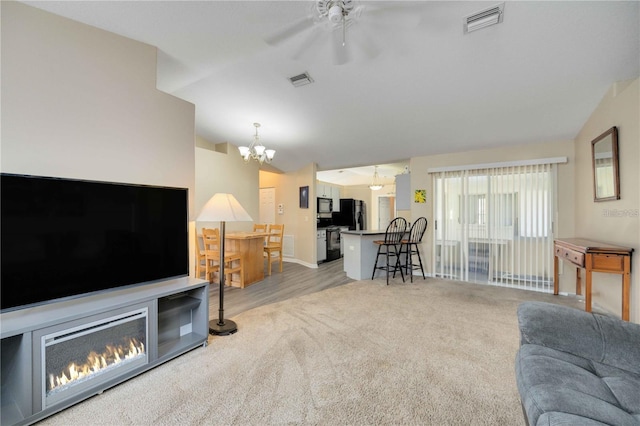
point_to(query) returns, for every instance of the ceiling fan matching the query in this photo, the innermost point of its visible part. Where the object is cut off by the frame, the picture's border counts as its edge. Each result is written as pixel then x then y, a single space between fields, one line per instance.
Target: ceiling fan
pixel 337 18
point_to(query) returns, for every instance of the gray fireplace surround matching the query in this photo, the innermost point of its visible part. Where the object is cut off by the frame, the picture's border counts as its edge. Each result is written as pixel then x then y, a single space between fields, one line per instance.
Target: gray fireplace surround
pixel 171 316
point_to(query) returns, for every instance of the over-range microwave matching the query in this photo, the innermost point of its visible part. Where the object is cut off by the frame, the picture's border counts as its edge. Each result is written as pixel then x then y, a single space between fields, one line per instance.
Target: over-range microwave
pixel 325 205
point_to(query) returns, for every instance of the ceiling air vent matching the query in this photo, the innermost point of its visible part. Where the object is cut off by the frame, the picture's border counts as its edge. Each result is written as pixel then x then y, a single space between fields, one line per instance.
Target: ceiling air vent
pixel 484 18
pixel 301 80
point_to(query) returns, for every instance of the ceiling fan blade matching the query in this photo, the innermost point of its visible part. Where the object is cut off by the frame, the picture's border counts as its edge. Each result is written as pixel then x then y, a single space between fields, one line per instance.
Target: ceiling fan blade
pixel 289 31
pixel 310 44
pixel 361 37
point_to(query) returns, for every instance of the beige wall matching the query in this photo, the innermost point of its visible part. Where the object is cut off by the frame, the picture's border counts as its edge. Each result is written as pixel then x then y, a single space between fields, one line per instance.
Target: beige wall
pixel 80 102
pixel 219 168
pixel 301 223
pixel 620 108
pixel 225 171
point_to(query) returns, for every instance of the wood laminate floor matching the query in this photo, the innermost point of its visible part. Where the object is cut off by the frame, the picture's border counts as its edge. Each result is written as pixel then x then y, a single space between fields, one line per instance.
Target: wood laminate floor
pixel 294 280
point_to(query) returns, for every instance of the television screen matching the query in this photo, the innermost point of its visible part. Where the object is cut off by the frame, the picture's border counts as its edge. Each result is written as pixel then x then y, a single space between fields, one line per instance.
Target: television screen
pixel 63 237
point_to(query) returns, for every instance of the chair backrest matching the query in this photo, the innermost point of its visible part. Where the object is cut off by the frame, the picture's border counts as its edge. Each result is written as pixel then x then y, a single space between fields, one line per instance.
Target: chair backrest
pixel 276 233
pixel 198 246
pixel 395 231
pixel 259 227
pixel 417 230
pixel 211 241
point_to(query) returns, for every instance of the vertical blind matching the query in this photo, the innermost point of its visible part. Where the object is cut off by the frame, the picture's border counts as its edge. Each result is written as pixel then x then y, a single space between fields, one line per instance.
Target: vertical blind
pixel 494 225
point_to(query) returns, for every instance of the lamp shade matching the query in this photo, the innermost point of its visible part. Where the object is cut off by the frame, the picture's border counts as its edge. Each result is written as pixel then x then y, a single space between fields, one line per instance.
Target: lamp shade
pixel 223 208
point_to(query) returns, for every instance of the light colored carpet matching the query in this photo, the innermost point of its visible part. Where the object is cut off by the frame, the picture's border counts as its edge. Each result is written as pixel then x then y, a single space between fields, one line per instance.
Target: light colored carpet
pixel 434 352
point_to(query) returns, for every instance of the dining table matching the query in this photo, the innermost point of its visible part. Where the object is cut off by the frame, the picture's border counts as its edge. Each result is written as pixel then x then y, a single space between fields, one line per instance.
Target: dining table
pixel 250 245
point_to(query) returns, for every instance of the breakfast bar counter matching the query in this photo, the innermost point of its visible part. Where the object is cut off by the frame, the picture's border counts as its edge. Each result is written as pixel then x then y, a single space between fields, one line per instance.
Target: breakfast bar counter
pixel 360 252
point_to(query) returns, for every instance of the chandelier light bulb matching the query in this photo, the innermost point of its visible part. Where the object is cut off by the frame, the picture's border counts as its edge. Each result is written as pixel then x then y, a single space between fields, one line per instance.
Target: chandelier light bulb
pixel 375 183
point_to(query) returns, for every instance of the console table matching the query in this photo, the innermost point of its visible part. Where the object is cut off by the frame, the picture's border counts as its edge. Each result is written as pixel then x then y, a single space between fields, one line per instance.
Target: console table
pixel 594 256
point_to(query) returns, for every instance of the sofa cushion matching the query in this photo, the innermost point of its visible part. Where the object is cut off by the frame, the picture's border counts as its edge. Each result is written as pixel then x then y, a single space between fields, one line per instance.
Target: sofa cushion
pixel 556 386
pixel 599 338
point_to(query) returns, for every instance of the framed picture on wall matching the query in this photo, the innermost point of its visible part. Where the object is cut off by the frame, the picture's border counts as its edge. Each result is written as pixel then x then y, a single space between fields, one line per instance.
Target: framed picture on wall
pixel 304 197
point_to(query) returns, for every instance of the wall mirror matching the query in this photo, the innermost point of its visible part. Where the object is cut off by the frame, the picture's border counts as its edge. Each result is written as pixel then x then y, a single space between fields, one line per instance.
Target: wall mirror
pixel 606 176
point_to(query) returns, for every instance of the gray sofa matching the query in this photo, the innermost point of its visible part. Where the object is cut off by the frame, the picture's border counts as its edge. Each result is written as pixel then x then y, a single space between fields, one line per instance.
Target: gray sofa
pixel 577 368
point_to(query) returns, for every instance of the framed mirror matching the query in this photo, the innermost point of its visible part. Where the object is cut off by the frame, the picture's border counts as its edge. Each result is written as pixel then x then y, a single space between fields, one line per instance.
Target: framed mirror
pixel 606 176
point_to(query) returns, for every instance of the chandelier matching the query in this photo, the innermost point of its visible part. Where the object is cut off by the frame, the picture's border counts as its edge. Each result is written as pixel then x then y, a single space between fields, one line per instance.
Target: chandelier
pixel 256 150
pixel 375 183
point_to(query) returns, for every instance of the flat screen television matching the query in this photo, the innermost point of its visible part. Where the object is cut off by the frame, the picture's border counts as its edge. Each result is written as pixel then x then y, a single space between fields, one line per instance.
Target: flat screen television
pixel 64 238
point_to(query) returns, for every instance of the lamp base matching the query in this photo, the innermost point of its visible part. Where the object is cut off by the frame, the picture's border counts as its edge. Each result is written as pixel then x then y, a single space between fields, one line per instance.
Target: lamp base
pixel 229 327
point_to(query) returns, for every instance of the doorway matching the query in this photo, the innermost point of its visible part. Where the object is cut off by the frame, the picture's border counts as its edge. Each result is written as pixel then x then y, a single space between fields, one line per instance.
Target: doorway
pixel 495 225
pixel 386 210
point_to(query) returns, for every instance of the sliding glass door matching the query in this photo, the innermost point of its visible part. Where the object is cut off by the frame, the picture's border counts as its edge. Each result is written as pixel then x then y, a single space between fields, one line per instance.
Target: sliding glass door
pixel 494 225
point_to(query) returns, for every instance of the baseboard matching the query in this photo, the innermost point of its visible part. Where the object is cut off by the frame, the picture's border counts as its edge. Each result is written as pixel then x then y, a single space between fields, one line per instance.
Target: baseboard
pixel 300 262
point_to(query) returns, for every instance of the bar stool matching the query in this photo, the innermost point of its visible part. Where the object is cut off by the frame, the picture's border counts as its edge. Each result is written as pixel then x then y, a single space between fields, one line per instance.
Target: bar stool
pixel 411 245
pixel 390 248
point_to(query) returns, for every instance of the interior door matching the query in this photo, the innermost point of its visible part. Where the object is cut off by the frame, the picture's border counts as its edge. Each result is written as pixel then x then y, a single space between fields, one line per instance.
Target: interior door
pixel 386 211
pixel 267 205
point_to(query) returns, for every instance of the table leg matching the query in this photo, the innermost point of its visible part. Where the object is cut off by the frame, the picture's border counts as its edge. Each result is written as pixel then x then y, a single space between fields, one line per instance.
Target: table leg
pixel 626 284
pixel 555 276
pixel 578 282
pixel 587 302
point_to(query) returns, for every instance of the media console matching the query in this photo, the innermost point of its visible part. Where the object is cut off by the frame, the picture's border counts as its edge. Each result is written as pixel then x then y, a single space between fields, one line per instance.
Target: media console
pixel 163 319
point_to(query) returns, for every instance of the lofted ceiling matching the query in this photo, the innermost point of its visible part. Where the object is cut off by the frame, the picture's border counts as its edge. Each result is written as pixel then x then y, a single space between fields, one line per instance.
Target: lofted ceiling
pixel 413 83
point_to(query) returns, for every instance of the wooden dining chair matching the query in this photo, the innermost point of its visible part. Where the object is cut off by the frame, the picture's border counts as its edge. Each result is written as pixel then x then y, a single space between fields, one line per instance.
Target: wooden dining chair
pixel 232 261
pixel 274 245
pixel 201 258
pixel 259 227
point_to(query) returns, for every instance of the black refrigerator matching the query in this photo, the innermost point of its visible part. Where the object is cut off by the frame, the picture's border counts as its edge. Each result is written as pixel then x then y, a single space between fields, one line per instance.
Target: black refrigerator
pixel 352 214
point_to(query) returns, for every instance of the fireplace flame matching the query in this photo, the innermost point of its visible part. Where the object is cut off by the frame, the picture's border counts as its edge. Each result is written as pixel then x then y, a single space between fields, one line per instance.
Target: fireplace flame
pixel 112 354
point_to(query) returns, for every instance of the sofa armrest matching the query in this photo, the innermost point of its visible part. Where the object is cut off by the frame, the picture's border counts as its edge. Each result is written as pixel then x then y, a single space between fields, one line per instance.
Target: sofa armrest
pixel 595 337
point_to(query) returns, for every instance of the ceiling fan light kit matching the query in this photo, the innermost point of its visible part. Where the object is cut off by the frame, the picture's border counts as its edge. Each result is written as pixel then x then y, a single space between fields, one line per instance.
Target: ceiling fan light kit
pixel 335 14
pixel 256 150
pixel 484 18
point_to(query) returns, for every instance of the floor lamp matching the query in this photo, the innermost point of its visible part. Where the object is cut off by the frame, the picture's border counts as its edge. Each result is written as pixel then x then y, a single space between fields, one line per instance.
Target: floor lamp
pixel 223 208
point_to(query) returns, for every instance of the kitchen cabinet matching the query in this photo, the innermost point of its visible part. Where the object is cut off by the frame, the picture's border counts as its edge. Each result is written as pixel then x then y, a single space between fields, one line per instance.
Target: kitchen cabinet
pixel 321 238
pixel 335 195
pixel 323 190
pixel 403 192
pixel 342 229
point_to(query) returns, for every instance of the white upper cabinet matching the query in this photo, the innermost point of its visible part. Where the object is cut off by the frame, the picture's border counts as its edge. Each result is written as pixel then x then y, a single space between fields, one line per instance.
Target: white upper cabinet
pixel 323 190
pixel 327 190
pixel 335 194
pixel 403 192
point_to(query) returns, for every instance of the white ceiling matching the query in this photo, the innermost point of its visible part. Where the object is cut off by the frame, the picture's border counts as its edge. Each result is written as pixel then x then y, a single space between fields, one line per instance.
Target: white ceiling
pixel 363 175
pixel 424 87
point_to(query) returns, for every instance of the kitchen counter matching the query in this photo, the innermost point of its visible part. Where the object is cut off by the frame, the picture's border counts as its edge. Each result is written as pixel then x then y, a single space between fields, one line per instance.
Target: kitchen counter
pixel 360 252
pixel 365 232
